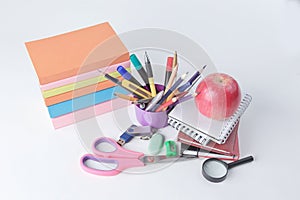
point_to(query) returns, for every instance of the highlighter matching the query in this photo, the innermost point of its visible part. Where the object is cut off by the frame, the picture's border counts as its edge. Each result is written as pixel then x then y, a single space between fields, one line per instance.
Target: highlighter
pixel 150 75
pixel 125 74
pixel 138 66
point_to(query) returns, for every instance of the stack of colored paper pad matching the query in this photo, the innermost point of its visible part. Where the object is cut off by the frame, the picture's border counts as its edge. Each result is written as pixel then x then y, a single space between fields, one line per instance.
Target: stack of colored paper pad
pixel 68 68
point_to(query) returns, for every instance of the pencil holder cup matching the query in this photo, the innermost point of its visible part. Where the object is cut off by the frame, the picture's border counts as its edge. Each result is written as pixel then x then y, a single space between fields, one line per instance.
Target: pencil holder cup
pixel 153 119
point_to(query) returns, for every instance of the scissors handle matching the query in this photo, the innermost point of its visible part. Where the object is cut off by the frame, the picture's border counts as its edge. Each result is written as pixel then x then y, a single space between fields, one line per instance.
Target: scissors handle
pixel 120 164
pixel 118 152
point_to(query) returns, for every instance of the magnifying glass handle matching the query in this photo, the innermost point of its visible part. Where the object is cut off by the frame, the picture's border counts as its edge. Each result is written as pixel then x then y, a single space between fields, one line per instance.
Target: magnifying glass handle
pixel 241 161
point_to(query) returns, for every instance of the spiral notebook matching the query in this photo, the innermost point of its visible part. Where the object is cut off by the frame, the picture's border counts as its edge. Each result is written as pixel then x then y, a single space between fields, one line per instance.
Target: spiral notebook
pixel 189 120
pixel 227 151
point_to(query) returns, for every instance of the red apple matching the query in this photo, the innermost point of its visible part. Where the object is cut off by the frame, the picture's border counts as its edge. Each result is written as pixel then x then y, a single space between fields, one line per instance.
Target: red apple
pixel 219 96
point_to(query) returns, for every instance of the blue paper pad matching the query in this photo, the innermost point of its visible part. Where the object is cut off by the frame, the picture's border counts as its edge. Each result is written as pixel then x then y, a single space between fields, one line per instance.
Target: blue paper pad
pixel 85 101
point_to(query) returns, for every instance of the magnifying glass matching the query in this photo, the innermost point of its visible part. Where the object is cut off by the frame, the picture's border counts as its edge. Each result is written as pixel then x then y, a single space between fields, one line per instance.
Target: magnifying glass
pixel 216 170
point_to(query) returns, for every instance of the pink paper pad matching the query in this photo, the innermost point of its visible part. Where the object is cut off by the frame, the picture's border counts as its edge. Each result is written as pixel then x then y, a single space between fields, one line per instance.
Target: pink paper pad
pixel 89 112
pixel 84 76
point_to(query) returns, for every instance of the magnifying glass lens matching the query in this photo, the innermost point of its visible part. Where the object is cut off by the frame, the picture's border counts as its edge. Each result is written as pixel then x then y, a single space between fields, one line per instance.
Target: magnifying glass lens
pixel 215 169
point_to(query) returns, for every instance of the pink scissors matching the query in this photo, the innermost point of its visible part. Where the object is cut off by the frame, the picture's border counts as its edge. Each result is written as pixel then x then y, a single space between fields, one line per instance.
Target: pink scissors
pixel 121 158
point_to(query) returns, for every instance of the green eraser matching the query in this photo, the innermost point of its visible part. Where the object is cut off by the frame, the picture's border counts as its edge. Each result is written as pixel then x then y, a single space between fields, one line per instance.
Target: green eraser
pixel 156 144
pixel 171 149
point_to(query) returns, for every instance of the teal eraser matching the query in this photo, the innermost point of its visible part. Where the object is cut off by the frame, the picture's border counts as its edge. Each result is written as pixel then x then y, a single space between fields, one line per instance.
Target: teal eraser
pixel 156 144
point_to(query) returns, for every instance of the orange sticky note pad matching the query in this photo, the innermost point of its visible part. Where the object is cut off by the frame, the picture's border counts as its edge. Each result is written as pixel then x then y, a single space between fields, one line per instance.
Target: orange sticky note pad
pixel 66 55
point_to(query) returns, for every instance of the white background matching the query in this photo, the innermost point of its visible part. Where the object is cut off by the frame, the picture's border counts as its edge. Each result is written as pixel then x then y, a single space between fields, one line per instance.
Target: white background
pixel 256 41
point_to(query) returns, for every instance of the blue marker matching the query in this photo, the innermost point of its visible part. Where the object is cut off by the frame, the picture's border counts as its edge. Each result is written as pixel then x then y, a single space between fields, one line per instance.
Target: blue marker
pixel 138 66
pixel 125 74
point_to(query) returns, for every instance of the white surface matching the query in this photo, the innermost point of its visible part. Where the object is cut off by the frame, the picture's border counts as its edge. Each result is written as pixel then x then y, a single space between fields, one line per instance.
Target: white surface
pixel 255 41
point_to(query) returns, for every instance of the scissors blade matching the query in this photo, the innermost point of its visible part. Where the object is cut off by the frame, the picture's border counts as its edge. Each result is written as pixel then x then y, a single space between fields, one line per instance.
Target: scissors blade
pixel 164 159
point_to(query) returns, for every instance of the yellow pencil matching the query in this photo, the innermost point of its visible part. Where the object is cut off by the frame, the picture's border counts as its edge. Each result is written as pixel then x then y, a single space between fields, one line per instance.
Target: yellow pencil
pixel 172 78
pixel 137 90
pixel 175 59
pixel 126 97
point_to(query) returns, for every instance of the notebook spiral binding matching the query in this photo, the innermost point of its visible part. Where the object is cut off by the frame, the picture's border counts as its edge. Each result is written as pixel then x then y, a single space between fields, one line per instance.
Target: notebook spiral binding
pixel 235 118
pixel 200 137
pixel 204 138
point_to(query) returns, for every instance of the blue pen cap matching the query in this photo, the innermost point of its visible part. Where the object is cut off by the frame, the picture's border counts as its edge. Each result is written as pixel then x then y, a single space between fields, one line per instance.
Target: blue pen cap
pixel 135 61
pixel 124 72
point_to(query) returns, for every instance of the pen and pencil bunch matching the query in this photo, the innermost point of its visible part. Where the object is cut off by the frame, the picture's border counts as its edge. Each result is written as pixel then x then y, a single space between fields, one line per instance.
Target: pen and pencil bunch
pixel 145 94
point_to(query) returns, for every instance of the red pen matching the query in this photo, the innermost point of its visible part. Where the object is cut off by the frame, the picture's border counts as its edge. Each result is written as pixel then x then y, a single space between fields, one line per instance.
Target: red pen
pixel 168 70
pixel 166 104
pixel 179 96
